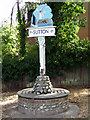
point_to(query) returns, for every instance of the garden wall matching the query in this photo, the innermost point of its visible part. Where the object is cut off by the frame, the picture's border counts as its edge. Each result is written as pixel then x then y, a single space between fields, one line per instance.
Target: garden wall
pixel 76 78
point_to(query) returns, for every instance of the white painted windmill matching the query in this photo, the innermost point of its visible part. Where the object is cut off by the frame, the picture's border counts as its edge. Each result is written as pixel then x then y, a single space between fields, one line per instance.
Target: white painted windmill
pixel 40 14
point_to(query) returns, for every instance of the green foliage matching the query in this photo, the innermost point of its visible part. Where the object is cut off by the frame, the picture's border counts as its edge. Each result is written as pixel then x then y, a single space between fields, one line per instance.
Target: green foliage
pixel 66 50
pixel 22 31
pixel 16 68
pixel 22 25
pixel 62 52
pixel 22 39
pixel 26 63
pixel 9 40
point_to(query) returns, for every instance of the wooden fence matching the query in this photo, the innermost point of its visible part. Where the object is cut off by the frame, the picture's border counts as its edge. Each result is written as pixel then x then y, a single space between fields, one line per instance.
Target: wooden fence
pixel 79 77
pixel 76 78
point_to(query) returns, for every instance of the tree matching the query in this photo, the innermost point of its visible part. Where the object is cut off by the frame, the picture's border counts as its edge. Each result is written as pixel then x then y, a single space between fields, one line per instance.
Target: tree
pixel 9 40
pixel 22 30
pixel 22 21
pixel 66 50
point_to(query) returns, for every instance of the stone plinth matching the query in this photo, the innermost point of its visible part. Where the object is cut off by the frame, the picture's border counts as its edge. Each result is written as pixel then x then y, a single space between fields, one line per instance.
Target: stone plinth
pixel 42 85
pixel 50 103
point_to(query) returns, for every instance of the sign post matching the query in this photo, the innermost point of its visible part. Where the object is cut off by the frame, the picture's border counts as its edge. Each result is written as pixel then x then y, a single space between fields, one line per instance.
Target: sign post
pixel 42 55
pixel 41 26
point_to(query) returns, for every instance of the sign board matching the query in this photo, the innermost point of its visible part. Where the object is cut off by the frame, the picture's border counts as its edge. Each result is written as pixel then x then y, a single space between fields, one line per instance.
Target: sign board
pixel 42 16
pixel 41 31
pixel 41 22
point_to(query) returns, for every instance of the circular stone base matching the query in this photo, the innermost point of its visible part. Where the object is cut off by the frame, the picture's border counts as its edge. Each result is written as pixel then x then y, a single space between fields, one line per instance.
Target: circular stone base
pixel 45 104
pixel 72 112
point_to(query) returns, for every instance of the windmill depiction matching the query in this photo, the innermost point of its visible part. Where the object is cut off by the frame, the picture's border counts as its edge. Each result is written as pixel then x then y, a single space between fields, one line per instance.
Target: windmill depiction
pixel 39 17
pixel 40 14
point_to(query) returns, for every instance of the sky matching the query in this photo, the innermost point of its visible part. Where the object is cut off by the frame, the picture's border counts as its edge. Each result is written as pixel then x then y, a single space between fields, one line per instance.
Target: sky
pixel 5 9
